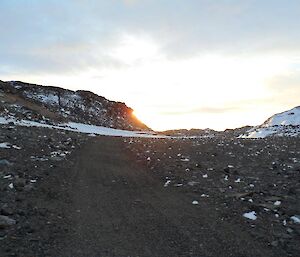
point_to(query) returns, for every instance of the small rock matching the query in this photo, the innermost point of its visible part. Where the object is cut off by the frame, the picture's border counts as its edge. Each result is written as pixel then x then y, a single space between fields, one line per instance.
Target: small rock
pixel 19 183
pixel 296 219
pixel 28 187
pixel 226 170
pixel 6 221
pixel 56 158
pixel 20 198
pixel 5 210
pixel 5 162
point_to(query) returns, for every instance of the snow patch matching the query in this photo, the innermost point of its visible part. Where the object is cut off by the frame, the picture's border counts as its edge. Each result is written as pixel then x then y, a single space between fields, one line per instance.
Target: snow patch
pixel 250 215
pixel 277 203
pixel 5 145
pixel 83 128
pixel 167 183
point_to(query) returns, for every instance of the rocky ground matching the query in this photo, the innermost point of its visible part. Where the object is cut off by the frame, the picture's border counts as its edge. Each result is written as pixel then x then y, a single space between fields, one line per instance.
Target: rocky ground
pixel 70 194
pixel 258 179
pixel 31 186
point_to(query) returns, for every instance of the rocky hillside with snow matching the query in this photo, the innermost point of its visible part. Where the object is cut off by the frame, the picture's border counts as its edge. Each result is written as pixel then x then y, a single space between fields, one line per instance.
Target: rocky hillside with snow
pixel 282 124
pixel 53 104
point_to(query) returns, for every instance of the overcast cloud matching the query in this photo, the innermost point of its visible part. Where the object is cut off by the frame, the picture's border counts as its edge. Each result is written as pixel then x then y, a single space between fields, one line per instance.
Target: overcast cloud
pixel 52 40
pixel 56 35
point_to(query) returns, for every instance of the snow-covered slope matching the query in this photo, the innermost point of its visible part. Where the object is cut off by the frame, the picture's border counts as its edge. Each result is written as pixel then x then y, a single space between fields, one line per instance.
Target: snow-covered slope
pixel 81 128
pixel 282 124
pixel 54 104
pixel 288 118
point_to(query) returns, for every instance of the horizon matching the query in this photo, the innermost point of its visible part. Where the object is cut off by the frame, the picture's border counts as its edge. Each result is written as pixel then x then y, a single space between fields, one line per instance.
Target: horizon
pixel 177 65
pixel 133 112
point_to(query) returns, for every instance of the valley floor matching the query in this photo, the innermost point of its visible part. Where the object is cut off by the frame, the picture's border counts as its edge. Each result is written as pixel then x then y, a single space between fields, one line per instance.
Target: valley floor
pixel 74 195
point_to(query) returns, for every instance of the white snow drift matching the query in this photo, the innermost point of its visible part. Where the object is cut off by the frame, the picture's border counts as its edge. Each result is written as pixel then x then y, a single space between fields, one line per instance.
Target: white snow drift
pixel 83 128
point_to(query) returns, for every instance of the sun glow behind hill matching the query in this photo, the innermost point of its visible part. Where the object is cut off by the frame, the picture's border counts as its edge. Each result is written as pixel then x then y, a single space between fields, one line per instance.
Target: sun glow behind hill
pixel 204 90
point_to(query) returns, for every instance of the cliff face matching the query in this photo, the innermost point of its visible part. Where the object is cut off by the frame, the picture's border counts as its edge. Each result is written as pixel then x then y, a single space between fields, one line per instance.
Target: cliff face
pixel 54 104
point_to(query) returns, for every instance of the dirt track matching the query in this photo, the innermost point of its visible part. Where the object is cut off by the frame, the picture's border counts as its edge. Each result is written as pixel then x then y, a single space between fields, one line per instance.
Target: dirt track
pixel 117 208
pixel 76 195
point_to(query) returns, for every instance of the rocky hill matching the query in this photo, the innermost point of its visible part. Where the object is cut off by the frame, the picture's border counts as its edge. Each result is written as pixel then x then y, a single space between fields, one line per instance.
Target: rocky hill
pixel 282 124
pixel 53 104
pixel 191 133
pixel 206 133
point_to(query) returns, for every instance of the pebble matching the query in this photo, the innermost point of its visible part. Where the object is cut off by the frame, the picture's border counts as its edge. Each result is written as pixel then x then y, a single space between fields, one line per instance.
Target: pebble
pixel 6 221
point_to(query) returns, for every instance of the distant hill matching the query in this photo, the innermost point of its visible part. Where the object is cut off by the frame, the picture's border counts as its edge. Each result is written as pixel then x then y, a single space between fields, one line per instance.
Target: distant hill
pixel 54 104
pixel 206 132
pixel 282 124
pixel 191 132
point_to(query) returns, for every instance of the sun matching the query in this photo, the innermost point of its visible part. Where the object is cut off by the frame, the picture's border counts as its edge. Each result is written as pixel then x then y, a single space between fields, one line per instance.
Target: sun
pixel 133 113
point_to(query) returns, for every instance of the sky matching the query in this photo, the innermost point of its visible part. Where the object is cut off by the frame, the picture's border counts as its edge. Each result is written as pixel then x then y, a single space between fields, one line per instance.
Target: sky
pixel 178 63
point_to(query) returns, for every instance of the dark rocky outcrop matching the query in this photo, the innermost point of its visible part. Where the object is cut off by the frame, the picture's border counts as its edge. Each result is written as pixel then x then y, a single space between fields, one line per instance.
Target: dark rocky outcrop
pixel 54 104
